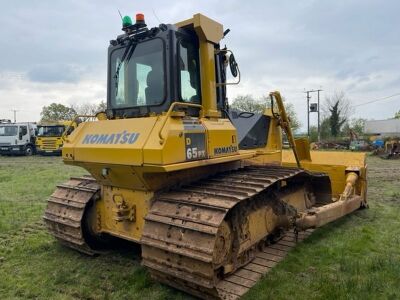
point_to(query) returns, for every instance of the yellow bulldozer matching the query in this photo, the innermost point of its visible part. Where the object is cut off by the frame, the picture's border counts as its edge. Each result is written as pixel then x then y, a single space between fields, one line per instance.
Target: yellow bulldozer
pixel 391 149
pixel 207 191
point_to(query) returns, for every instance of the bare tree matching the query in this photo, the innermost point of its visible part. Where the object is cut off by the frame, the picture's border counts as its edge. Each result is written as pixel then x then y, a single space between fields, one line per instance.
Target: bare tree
pixel 338 109
pixel 345 107
pixel 249 103
pixel 356 125
pixel 89 109
pixel 102 106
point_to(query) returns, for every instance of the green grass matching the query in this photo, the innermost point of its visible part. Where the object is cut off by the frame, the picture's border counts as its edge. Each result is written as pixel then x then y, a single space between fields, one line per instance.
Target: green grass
pixel 34 266
pixel 25 183
pixel 357 257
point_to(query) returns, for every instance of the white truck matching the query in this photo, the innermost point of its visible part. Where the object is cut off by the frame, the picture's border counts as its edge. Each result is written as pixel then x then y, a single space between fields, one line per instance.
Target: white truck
pixel 17 138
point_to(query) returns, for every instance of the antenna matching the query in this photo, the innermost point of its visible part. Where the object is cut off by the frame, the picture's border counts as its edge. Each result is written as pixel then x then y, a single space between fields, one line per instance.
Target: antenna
pixel 120 14
pixel 15 114
pixel 154 13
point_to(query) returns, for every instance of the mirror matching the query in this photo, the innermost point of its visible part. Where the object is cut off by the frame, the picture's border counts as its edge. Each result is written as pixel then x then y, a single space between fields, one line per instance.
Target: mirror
pixel 228 58
pixel 233 65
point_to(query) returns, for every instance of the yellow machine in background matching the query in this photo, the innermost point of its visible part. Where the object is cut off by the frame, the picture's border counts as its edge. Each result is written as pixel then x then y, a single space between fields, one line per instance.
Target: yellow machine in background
pixel 206 190
pixel 392 149
pixel 50 137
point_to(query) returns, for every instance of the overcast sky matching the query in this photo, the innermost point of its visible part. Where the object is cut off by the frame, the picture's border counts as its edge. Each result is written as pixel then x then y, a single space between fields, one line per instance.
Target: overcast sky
pixel 55 51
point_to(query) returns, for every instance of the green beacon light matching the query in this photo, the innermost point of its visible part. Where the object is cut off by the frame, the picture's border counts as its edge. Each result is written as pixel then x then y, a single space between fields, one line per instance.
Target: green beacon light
pixel 126 21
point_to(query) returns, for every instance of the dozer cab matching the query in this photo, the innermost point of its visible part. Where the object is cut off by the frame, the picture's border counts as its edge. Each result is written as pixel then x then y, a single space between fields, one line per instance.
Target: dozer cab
pixel 205 190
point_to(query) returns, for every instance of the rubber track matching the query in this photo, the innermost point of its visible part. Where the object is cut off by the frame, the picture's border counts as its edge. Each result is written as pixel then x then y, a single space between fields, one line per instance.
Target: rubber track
pixel 65 210
pixel 181 228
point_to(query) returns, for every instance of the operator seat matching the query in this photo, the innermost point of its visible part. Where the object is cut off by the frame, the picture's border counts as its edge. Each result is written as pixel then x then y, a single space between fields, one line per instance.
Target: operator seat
pixel 133 91
pixel 154 90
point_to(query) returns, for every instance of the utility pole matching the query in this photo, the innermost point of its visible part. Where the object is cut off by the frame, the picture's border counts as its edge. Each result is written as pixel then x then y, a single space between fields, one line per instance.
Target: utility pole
pixel 308 112
pixel 15 115
pixel 319 130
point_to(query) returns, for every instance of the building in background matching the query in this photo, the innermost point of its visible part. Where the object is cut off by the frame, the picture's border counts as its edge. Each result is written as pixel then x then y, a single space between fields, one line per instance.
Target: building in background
pixel 383 128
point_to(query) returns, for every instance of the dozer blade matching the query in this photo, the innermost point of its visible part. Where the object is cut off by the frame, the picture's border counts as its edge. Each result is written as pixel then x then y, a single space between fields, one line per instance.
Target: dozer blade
pixel 336 164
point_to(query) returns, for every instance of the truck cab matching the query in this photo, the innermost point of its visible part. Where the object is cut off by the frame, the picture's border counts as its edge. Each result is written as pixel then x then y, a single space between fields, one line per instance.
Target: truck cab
pixel 50 136
pixel 17 138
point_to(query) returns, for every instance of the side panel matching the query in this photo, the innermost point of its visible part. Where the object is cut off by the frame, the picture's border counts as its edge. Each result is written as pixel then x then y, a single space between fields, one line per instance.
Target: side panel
pixel 113 142
pixel 171 149
pixel 222 138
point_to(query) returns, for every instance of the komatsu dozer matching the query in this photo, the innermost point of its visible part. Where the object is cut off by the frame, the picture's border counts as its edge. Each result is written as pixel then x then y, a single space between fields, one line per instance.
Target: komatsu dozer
pixel 205 190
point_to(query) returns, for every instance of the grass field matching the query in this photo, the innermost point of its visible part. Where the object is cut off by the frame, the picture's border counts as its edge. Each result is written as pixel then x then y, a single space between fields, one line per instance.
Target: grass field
pixel 357 257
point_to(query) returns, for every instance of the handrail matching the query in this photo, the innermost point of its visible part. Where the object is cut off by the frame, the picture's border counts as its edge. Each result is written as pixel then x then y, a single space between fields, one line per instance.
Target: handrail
pixel 169 112
pixel 229 83
pixel 75 121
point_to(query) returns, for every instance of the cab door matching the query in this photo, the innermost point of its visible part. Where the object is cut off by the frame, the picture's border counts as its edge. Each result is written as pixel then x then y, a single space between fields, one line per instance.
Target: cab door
pixel 23 136
pixel 189 91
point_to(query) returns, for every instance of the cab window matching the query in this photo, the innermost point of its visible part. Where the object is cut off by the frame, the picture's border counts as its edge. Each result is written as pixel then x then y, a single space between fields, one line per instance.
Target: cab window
pixel 23 130
pixel 138 75
pixel 189 71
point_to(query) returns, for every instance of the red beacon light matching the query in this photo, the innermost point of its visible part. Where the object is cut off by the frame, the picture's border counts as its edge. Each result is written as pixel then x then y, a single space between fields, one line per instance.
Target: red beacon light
pixel 139 18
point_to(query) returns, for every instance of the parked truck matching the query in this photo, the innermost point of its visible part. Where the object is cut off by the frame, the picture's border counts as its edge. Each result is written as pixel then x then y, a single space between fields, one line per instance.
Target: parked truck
pixel 50 136
pixel 17 138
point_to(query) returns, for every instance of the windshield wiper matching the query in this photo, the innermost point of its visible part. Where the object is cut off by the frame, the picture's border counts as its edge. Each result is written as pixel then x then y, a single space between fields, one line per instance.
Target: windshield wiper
pixel 126 56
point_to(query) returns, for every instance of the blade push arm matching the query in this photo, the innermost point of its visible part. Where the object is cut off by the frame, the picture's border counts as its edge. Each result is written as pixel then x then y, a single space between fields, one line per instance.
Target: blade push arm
pixel 284 122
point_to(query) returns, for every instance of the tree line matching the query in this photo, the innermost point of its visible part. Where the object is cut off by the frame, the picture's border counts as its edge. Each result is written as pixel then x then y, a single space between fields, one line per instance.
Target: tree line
pixel 336 115
pixel 57 111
